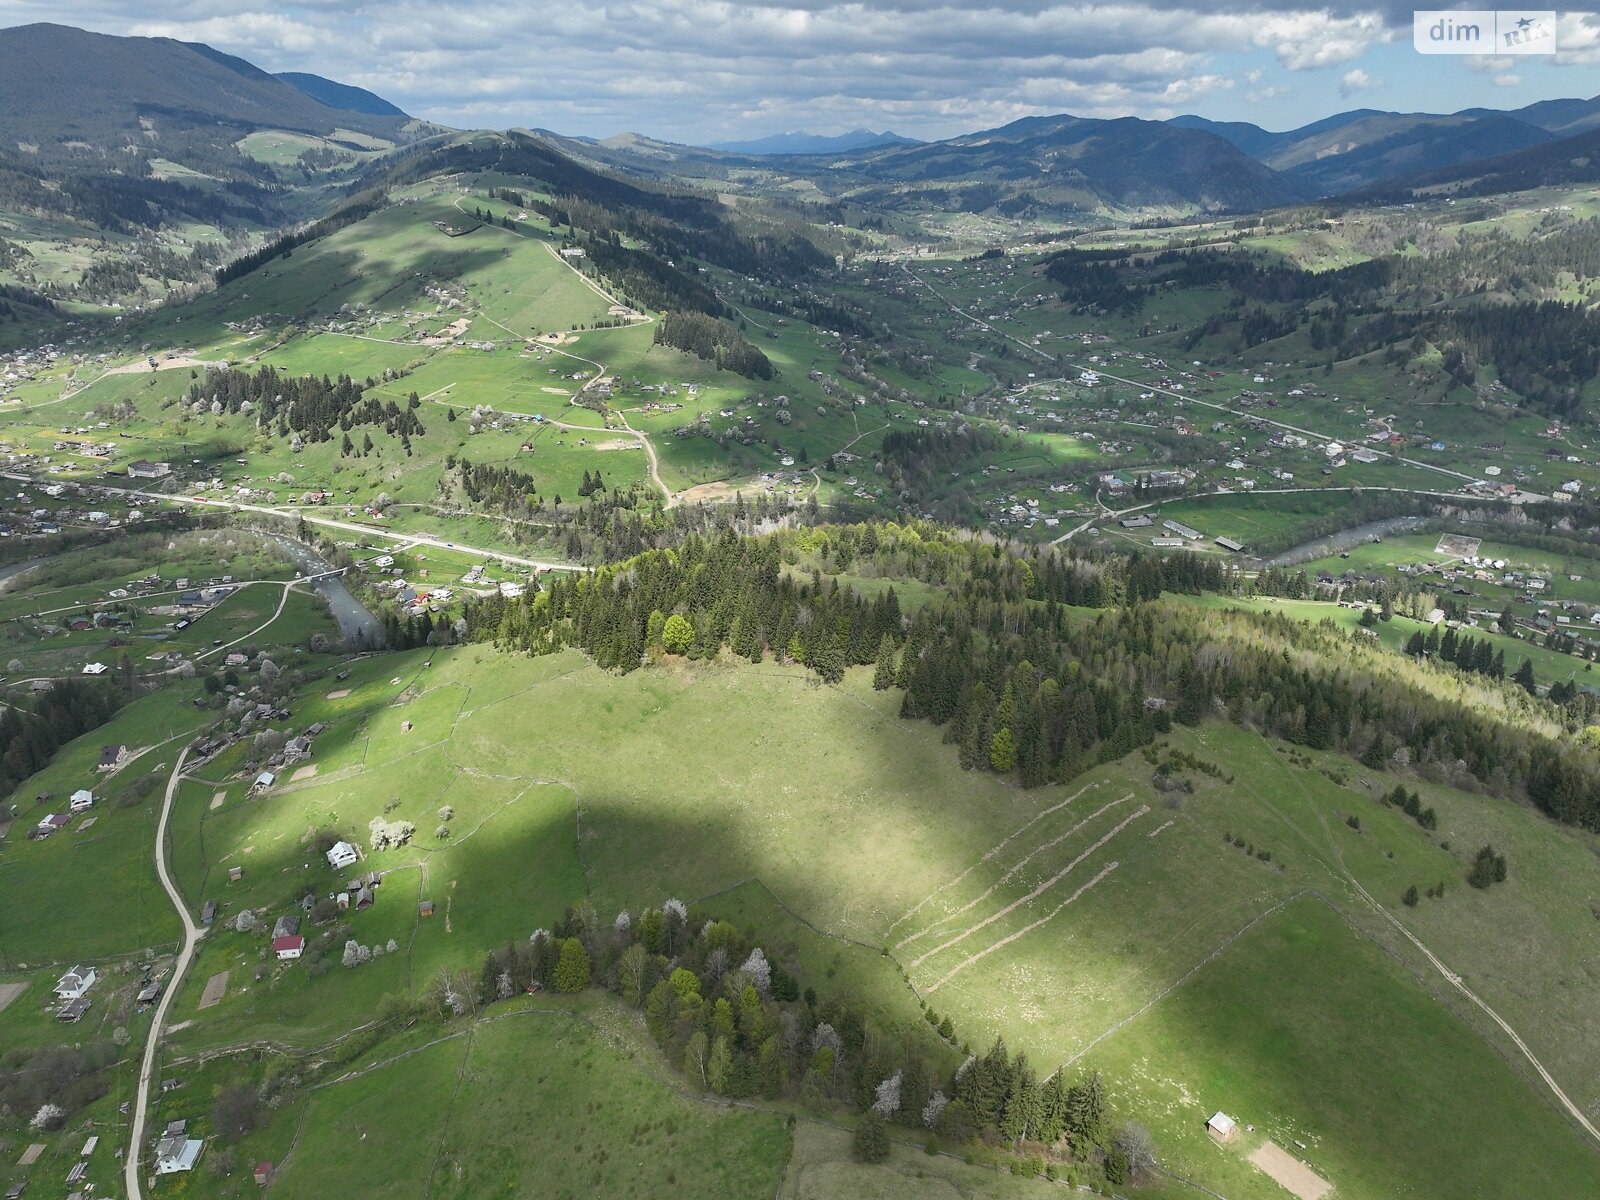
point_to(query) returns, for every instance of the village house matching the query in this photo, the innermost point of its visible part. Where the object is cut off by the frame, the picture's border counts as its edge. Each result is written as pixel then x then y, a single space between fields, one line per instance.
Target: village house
pixel 343 855
pixel 82 799
pixel 286 948
pixel 75 983
pixel 176 1152
pixel 141 468
pixel 111 757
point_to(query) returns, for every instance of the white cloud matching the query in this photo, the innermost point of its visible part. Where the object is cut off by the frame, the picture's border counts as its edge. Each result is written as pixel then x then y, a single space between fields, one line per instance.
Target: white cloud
pixel 698 70
pixel 1356 82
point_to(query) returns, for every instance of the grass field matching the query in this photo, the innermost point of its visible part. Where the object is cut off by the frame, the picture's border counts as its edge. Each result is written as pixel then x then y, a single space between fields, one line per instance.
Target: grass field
pixel 1079 922
pixel 1129 893
pixel 582 1119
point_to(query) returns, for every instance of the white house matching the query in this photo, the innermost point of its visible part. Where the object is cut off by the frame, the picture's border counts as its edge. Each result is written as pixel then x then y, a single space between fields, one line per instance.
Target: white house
pixel 174 1154
pixel 288 947
pixel 94 668
pixel 265 780
pixel 82 799
pixel 1221 1126
pixel 75 983
pixel 342 855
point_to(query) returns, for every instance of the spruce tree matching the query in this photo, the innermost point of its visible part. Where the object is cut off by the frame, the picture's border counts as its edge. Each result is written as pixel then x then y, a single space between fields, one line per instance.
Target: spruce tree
pixel 871 1141
pixel 572 968
pixel 883 674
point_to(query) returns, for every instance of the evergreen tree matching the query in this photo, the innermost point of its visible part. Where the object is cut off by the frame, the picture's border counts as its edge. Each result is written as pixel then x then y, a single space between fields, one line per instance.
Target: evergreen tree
pixel 1524 677
pixel 572 968
pixel 883 673
pixel 1002 751
pixel 871 1141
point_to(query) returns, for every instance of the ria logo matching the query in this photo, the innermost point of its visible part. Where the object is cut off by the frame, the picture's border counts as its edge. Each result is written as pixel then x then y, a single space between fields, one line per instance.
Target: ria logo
pixel 1484 31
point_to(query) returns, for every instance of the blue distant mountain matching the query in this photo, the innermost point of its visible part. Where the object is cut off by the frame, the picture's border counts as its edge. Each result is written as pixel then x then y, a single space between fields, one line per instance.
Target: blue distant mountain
pixel 800 142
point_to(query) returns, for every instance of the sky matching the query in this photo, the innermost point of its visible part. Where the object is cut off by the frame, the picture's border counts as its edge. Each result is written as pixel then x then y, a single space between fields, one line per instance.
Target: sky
pixel 703 71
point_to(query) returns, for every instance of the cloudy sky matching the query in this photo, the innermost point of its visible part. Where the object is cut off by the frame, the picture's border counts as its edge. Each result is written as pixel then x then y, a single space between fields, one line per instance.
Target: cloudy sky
pixel 707 70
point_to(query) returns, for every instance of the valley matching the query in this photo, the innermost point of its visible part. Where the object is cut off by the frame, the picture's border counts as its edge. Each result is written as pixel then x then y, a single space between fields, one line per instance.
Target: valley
pixel 821 666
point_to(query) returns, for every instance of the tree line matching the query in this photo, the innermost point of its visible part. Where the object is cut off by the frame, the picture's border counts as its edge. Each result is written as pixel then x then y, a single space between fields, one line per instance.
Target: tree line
pixel 713 341
pixel 1020 685
pixel 733 1012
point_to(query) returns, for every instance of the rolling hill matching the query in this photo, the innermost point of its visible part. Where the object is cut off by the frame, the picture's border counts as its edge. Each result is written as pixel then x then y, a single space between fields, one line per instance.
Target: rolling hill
pixel 145 96
pixel 1565 161
pixel 1080 163
pixel 1354 149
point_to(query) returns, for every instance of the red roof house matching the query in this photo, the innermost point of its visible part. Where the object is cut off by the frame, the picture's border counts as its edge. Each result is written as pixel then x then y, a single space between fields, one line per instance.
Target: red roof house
pixel 288 947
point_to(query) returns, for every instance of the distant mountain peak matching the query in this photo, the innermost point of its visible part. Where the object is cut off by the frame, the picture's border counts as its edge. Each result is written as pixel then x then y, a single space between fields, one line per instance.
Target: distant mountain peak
pixel 800 141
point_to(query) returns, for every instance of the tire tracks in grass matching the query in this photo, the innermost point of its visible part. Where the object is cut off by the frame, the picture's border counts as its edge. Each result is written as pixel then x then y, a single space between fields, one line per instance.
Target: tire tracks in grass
pixel 1012 870
pixel 1184 978
pixel 991 852
pixel 1029 928
pixel 1036 892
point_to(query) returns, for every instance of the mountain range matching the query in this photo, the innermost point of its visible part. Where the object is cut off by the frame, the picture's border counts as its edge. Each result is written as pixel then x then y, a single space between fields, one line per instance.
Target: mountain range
pixel 139 101
pixel 800 142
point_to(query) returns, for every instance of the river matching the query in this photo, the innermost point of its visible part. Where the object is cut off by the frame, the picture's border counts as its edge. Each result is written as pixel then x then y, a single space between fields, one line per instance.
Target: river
pixel 1334 543
pixel 356 622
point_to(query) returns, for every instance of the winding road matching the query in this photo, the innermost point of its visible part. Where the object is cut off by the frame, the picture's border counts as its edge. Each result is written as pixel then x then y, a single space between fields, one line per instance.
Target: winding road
pixel 192 934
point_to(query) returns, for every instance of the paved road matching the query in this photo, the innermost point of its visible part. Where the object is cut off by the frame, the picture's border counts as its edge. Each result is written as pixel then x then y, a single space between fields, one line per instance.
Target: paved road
pixel 191 938
pixel 421 539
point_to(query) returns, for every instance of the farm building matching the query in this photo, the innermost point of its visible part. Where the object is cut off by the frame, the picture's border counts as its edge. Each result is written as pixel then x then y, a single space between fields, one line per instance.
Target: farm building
pixel 208 913
pixel 287 926
pixel 150 992
pixel 425 908
pixel 1229 544
pixel 111 757
pixel 94 668
pixel 72 1011
pixel 1182 530
pixel 1137 523
pixel 1221 1126
pixel 342 855
pixel 141 468
pixel 265 780
pixel 81 799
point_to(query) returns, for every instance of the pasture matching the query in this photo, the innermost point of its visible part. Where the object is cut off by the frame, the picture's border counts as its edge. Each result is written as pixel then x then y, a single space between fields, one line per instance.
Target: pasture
pixel 1102 923
pixel 532 1101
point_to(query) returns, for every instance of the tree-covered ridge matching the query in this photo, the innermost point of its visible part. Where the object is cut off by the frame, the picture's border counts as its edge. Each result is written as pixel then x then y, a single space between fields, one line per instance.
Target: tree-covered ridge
pixel 708 338
pixel 1486 299
pixel 1005 660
